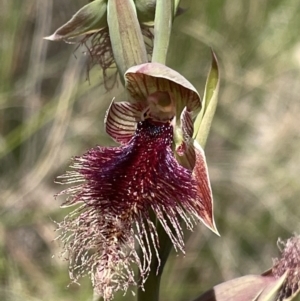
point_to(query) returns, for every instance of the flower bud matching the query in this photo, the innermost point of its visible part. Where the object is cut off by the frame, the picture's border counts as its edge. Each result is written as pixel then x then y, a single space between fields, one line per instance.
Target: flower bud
pixel 145 10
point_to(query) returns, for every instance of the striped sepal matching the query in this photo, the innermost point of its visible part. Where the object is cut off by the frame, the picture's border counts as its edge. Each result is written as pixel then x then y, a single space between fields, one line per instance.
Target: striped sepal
pixel 146 79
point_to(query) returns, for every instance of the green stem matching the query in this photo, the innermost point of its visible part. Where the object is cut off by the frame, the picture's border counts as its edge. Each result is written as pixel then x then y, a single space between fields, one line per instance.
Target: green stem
pixel 152 284
pixel 151 287
pixel 165 247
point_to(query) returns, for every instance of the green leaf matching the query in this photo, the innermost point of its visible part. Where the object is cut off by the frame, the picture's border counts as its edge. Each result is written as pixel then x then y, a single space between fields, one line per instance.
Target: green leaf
pixel 90 18
pixel 204 119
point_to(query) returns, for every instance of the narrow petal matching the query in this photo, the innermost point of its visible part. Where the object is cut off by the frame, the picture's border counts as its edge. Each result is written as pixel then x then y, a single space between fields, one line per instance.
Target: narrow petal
pixel 191 156
pixel 121 119
pixel 89 19
pixel 185 152
pixel 204 191
pixel 186 123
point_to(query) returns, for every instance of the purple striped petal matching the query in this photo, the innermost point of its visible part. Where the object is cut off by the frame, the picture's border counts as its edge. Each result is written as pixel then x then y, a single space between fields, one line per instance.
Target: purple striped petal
pixel 121 119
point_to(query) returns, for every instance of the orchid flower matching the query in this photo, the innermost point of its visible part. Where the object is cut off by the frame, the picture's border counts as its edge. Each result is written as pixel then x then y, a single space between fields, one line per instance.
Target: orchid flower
pixel 158 168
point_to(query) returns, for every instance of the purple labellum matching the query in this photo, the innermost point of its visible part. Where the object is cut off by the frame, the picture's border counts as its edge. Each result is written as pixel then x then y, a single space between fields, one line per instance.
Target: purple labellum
pixel 118 188
pixel 152 171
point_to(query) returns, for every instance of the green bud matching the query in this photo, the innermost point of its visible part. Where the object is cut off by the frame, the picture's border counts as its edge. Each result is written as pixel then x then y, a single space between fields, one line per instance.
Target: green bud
pixel 89 19
pixel 145 10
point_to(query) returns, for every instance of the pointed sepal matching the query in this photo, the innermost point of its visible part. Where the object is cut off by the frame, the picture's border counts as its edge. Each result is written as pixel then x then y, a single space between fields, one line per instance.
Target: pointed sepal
pixel 90 18
pixel 204 119
pixel 145 79
pixel 200 172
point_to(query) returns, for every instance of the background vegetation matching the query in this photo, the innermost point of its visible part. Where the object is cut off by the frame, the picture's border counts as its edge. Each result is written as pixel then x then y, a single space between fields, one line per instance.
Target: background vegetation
pixel 49 113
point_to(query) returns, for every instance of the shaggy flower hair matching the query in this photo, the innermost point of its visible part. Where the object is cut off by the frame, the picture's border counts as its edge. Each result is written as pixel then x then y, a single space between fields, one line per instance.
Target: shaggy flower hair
pixel 290 263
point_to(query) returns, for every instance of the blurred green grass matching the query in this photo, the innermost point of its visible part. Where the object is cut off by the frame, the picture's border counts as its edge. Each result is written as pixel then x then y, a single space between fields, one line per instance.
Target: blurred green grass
pixel 49 113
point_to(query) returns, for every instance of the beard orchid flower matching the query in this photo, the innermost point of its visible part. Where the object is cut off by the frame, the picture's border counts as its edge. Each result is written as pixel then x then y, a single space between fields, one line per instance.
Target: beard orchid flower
pixel 157 169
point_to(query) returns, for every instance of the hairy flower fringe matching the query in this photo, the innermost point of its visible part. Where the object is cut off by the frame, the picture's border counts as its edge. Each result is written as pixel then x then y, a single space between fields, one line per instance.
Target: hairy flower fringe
pixel 118 187
pixel 290 262
pixel 105 248
pixel 106 256
pixel 100 53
